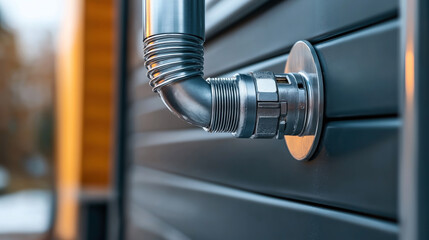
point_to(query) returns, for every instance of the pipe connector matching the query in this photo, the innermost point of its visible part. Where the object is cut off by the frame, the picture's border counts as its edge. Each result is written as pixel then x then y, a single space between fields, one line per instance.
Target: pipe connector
pixel 225 114
pixel 255 105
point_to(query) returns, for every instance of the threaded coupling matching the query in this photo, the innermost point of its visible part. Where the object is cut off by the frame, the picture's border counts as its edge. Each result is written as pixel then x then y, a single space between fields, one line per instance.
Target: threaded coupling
pixel 225 105
pixel 257 105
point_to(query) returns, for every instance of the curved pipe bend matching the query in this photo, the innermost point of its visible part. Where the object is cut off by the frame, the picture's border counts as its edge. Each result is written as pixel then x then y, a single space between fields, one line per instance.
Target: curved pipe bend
pixel 174 58
pixel 173 48
pixel 189 100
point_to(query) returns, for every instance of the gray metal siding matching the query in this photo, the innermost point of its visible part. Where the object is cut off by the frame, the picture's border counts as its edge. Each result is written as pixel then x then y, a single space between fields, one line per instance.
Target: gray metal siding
pixel 354 173
pixel 355 167
pixel 276 29
pixel 189 209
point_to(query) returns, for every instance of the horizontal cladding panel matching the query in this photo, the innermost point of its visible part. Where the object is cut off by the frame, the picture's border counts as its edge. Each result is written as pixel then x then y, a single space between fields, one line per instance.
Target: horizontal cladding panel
pixel 143 225
pixel 360 75
pixel 151 114
pixel 361 72
pixel 355 166
pixel 162 203
pixel 224 13
pixel 280 26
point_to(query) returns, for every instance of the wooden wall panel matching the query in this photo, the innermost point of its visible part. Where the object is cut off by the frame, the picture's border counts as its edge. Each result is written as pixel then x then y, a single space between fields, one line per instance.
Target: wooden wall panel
pixel 98 79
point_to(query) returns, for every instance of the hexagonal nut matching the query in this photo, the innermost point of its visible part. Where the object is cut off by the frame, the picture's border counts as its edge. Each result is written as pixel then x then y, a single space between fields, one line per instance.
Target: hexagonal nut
pixel 266 86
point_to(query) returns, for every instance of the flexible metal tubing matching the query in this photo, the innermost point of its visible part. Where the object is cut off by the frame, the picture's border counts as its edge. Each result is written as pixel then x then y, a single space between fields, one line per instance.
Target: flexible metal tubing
pixel 172 57
pixel 176 57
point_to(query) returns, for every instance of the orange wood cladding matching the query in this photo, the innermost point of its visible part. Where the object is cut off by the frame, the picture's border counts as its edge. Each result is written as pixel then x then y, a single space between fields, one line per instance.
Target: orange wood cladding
pixel 84 108
pixel 97 86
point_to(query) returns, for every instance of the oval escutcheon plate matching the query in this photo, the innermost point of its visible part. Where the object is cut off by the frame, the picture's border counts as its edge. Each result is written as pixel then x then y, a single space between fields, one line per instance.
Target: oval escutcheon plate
pixel 303 60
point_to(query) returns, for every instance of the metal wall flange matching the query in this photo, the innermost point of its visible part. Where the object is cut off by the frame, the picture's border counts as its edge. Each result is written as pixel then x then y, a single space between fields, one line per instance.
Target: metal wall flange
pixel 303 60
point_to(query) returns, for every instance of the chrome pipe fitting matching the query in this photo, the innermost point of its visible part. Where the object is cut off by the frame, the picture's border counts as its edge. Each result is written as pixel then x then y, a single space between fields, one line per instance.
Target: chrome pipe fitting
pixel 263 101
pixel 225 105
pixel 256 105
pixel 174 16
pixel 173 54
pixel 281 105
pixel 173 41
pixel 172 57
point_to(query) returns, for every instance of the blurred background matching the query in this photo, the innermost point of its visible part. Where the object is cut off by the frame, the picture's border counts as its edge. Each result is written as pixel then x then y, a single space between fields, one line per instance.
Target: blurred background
pixel 56 111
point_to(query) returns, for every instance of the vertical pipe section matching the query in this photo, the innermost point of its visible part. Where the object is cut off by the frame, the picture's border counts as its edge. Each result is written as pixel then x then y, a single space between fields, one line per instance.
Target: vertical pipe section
pixel 174 16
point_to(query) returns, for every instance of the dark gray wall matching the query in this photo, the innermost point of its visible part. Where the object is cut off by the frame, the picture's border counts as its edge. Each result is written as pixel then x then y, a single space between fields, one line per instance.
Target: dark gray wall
pixel 188 184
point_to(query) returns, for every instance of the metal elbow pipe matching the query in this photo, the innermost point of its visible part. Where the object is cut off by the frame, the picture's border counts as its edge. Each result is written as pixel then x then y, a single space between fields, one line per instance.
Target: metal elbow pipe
pixel 255 105
pixel 174 58
pixel 189 100
pixel 173 48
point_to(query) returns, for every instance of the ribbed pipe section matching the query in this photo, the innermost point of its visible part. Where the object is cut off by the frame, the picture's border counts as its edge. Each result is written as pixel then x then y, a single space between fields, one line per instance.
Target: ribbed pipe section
pixel 225 105
pixel 172 57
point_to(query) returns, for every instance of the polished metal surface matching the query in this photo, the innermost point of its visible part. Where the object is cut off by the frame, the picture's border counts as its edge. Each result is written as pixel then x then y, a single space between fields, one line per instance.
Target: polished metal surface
pixel 268 106
pixel 259 105
pixel 246 86
pixel 190 100
pixel 256 105
pixel 225 105
pixel 303 60
pixel 174 16
pixel 266 86
pixel 281 105
pixel 175 70
pixel 172 57
pixel 293 95
pixel 173 53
